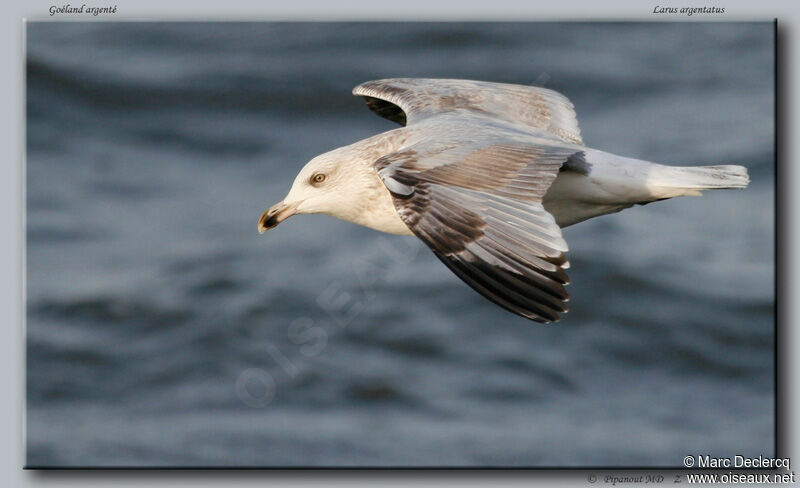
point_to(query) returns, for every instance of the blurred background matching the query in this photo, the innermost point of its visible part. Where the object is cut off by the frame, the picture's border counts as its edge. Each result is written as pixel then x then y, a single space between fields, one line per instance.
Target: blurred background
pixel 162 330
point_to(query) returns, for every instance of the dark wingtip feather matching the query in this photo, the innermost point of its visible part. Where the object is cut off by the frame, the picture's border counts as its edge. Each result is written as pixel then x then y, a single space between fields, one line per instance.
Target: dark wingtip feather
pixel 387 110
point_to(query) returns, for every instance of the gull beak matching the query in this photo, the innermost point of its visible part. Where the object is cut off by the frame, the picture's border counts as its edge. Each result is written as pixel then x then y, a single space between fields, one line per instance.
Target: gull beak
pixel 275 215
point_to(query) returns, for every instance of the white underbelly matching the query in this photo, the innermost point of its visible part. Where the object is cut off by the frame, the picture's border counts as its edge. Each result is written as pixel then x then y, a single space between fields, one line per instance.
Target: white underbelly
pixel 574 197
pixel 609 184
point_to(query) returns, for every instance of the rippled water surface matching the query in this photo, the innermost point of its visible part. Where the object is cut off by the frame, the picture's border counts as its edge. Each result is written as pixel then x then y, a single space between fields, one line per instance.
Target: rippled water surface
pixel 163 330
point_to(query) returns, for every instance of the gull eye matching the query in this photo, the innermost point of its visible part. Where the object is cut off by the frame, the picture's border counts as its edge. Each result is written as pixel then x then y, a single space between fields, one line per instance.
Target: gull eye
pixel 318 178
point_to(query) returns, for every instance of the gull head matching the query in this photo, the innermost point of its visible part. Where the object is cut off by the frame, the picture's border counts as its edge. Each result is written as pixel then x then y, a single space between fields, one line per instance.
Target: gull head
pixel 337 183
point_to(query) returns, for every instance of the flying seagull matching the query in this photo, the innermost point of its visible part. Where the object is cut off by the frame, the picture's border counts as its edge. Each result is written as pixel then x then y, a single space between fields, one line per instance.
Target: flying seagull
pixel 486 175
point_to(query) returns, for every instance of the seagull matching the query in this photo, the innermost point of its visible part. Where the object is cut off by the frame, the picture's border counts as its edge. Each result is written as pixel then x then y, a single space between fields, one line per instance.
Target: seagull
pixel 486 175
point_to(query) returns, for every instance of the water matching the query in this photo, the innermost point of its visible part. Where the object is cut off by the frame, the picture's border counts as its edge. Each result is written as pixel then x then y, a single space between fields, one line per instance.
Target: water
pixel 162 330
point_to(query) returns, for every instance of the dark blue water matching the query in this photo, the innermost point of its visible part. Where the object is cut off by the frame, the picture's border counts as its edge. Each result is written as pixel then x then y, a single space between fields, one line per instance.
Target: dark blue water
pixel 163 330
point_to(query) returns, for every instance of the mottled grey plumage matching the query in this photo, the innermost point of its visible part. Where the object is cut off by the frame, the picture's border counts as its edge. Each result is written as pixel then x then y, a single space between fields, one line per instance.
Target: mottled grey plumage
pixel 471 187
pixel 414 99
pixel 485 174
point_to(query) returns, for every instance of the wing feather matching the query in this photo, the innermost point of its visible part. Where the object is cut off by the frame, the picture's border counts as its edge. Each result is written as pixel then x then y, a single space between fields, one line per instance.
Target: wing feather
pixel 477 205
pixel 410 100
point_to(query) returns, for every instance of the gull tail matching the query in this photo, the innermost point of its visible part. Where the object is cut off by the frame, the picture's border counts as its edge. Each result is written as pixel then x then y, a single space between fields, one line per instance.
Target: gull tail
pixel 679 181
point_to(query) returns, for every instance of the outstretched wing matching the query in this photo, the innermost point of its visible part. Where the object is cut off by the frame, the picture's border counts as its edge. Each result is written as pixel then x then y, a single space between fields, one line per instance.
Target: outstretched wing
pixel 409 100
pixel 477 205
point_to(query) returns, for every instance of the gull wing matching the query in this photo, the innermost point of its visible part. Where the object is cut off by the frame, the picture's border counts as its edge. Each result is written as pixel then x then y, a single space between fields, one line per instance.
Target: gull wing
pixel 478 205
pixel 409 100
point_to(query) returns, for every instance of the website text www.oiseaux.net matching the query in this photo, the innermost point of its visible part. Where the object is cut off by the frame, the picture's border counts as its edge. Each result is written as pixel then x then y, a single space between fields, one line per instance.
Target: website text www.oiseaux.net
pixel 737 478
pixel 741 462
